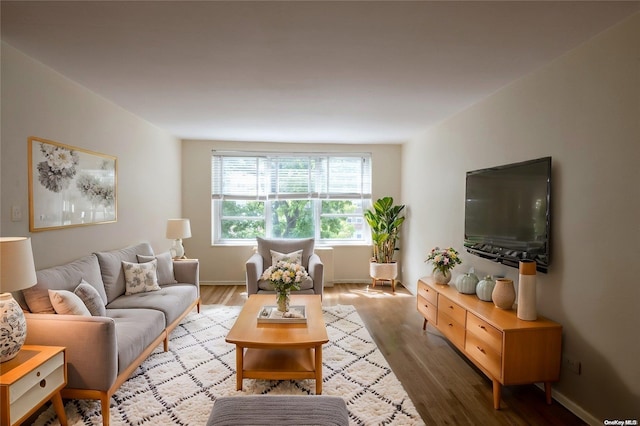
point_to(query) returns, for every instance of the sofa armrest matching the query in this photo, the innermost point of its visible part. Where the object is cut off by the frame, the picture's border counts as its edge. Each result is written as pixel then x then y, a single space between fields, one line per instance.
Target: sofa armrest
pixel 92 348
pixel 316 272
pixel 187 271
pixel 254 267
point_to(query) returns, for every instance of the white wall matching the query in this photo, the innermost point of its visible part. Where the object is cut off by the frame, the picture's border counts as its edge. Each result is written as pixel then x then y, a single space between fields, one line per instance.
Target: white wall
pixel 584 111
pixel 225 264
pixel 36 101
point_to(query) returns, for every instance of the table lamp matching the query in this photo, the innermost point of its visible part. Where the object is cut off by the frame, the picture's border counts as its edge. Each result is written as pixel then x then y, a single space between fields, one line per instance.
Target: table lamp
pixel 177 229
pixel 17 272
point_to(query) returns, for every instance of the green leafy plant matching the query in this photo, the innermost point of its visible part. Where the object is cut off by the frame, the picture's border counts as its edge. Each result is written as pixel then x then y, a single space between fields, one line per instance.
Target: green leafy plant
pixel 385 221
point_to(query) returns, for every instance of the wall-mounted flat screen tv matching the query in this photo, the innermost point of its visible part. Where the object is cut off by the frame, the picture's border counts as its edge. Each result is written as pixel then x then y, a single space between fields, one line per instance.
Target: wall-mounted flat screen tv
pixel 507 212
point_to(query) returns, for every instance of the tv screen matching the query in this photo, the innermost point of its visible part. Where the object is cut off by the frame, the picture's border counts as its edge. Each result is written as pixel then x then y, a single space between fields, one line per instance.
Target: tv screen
pixel 507 212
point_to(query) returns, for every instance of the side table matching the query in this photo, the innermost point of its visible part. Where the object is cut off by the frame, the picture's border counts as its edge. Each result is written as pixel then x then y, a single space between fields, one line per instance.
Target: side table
pixel 35 376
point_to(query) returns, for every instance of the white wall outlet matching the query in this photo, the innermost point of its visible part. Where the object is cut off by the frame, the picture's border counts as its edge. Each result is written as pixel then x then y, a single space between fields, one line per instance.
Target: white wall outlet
pixel 16 214
pixel 573 365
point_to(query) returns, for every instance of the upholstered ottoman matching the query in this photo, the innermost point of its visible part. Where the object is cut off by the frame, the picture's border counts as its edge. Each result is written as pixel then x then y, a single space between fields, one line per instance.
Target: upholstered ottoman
pixel 321 410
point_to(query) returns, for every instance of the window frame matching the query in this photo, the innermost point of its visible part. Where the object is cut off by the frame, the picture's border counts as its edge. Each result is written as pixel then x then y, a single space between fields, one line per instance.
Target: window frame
pixel 316 198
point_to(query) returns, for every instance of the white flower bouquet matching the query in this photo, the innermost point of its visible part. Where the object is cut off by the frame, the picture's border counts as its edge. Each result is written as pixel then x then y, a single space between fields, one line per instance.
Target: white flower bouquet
pixel 285 276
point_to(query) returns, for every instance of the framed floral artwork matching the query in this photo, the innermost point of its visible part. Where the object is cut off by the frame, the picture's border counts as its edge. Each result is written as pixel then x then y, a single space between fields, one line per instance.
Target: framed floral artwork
pixel 69 186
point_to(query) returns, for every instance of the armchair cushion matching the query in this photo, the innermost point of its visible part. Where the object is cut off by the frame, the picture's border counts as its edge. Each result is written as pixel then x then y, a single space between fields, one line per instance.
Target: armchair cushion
pixel 293 257
pixel 285 246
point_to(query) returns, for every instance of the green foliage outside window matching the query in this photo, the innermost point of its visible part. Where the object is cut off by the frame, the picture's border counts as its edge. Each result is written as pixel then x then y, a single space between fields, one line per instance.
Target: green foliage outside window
pixel 242 219
pixel 289 219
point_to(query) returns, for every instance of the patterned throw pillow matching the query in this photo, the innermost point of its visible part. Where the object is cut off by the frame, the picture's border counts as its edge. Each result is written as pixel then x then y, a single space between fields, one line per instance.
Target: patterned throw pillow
pixel 140 277
pixel 91 298
pixel 293 257
pixel 66 303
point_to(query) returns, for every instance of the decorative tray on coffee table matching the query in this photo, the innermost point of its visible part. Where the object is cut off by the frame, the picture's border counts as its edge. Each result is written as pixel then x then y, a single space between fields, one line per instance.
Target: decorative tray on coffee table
pixel 270 314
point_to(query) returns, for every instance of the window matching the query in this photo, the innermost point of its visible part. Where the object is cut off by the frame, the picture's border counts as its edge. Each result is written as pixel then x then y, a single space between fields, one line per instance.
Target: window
pixel 290 196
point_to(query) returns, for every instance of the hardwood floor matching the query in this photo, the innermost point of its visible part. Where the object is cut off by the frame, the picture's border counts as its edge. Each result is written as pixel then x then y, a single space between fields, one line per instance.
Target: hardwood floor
pixel 444 387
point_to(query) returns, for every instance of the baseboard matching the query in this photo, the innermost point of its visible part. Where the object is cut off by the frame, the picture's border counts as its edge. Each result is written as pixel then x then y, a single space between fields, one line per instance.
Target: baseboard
pixel 573 407
pixel 241 283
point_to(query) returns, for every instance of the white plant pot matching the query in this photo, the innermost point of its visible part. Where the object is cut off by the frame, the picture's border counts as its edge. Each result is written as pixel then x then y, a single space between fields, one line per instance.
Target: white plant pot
pixel 383 271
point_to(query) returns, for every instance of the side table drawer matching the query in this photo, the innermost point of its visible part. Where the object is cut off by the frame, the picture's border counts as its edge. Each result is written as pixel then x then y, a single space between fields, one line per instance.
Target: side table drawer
pixel 36 386
pixel 452 309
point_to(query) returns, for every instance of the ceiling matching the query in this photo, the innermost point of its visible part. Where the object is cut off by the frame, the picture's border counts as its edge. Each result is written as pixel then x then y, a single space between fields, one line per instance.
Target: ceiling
pixel 301 71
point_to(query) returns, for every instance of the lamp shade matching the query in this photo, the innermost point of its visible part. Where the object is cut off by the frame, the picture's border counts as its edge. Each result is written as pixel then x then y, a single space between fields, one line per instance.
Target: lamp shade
pixel 17 269
pixel 178 229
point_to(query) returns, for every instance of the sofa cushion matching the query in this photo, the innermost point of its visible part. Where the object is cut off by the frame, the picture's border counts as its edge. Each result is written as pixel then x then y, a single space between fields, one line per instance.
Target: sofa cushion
pixel 92 300
pixel 140 277
pixel 64 277
pixel 165 267
pixel 111 267
pixel 136 329
pixel 265 246
pixel 172 300
pixel 67 303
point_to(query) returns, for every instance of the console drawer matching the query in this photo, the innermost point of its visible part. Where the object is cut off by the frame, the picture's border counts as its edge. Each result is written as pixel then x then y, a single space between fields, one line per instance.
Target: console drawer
pixel 451 309
pixel 427 293
pixel 452 329
pixel 428 310
pixel 485 332
pixel 482 353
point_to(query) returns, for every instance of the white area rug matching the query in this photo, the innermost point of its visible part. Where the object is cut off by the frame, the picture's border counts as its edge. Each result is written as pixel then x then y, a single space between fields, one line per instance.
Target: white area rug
pixel 179 387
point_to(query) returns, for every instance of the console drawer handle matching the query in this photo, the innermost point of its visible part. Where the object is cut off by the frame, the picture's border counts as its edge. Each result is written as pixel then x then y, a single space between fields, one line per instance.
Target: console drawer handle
pixel 450 325
pixel 480 349
pixel 43 383
pixel 482 327
pixel 450 307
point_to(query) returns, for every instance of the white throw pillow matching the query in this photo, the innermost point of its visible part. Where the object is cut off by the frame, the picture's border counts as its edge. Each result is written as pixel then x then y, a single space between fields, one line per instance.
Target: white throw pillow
pixel 140 277
pixel 293 257
pixel 66 303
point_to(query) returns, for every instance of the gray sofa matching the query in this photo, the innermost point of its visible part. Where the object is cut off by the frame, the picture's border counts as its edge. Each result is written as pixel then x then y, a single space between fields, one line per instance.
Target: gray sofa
pixel 104 350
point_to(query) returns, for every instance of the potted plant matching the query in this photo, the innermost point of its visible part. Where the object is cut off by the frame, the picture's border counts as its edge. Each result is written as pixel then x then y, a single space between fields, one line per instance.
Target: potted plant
pixel 385 221
pixel 443 260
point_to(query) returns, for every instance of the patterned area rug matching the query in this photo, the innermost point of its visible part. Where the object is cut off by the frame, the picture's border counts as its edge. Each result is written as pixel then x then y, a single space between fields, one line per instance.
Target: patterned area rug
pixel 179 387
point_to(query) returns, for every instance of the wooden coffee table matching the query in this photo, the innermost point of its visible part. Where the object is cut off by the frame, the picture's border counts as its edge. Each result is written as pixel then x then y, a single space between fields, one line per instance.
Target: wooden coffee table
pixel 279 351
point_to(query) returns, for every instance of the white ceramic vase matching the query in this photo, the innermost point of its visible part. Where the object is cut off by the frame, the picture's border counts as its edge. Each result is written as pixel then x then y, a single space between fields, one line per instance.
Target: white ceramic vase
pixel 441 277
pixel 527 291
pixel 13 327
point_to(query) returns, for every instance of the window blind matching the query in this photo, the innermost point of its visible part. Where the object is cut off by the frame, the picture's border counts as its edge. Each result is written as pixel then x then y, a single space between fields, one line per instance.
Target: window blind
pixel 270 176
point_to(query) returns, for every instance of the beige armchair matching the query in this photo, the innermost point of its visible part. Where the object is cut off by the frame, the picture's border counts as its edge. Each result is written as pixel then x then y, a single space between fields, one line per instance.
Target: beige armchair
pixel 261 260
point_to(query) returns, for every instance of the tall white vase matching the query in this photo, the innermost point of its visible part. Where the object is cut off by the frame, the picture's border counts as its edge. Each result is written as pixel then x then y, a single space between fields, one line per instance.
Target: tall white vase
pixel 527 291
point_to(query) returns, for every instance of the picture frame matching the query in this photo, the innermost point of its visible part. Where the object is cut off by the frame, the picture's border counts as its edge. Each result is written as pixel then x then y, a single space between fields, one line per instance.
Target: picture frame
pixel 70 186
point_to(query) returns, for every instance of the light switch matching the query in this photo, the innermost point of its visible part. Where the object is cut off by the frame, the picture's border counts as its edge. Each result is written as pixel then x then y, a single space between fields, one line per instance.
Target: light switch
pixel 16 214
